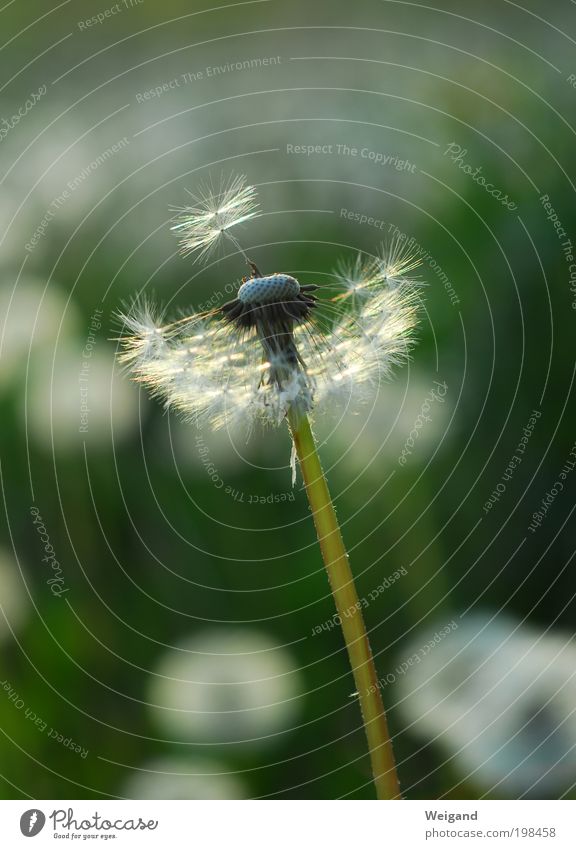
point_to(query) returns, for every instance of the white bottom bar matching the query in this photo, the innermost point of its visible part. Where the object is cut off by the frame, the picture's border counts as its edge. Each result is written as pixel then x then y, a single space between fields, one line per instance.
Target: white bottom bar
pixel 290 824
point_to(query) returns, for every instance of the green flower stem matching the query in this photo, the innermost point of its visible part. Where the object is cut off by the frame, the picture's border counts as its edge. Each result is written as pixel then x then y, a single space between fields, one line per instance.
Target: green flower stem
pixel 348 605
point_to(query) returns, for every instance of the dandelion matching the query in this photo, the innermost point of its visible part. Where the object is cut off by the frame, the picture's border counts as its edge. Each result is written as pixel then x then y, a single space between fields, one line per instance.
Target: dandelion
pixel 276 352
pixel 498 696
pixel 35 317
pixel 226 687
pixel 391 430
pixel 185 778
pixel 264 355
pixel 103 404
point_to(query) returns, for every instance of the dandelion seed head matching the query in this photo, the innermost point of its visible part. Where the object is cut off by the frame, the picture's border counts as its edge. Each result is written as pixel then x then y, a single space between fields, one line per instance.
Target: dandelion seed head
pixel 217 372
pixel 276 347
pixel 213 212
pixel 265 290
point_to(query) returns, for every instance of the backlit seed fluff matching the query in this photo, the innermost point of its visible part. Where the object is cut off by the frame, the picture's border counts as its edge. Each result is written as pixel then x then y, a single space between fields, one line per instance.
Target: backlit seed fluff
pixel 277 346
pixel 212 214
pixel 362 274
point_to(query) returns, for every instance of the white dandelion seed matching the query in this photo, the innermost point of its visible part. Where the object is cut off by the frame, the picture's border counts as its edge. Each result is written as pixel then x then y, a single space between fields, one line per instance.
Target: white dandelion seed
pixel 144 321
pixel 362 275
pixel 277 346
pixel 212 214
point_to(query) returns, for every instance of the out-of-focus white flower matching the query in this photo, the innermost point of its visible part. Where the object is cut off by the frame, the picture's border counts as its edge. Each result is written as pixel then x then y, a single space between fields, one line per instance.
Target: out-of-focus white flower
pixel 231 450
pixel 14 601
pixel 261 355
pixel 226 686
pixel 79 398
pixel 172 778
pixel 33 316
pixel 212 214
pixel 15 227
pixel 404 424
pixel 58 159
pixel 501 699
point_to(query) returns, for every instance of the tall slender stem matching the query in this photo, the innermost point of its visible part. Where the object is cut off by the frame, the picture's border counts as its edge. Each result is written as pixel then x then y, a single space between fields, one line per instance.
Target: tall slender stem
pixel 349 608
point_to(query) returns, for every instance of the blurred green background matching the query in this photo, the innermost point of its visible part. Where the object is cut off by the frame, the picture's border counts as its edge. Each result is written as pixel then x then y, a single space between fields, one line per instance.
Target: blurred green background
pixel 175 656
